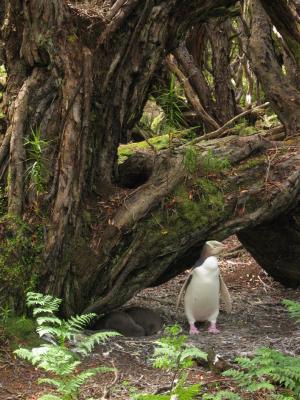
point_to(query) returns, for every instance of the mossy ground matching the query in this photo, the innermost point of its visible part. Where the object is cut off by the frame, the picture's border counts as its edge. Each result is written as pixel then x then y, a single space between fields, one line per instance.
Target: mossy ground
pixel 18 331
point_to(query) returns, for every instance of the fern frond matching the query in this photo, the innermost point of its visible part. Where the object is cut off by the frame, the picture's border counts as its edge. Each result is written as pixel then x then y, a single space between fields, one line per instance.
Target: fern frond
pixel 49 397
pixel 50 381
pixel 25 355
pixel 74 384
pixel 151 397
pixel 47 319
pixel 222 395
pixel 59 360
pixel 79 322
pixel 42 303
pixel 86 345
pixel 256 386
pixel 266 369
pixel 187 393
pixel 193 352
pixel 49 330
pixel 293 308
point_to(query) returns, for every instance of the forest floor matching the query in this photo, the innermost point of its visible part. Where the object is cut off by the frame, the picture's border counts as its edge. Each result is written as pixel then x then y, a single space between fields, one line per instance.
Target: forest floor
pixel 258 319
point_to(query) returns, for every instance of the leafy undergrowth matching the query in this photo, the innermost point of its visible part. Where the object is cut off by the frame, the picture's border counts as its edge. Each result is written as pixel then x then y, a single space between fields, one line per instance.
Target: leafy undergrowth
pixel 259 319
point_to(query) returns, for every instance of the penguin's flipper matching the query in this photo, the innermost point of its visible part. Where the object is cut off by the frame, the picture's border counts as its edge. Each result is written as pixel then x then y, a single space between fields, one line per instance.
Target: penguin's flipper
pixel 225 295
pixel 183 288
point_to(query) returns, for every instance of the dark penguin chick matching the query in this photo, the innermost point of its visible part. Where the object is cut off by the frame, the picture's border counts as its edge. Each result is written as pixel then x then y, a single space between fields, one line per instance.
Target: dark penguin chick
pixel 121 322
pixel 148 319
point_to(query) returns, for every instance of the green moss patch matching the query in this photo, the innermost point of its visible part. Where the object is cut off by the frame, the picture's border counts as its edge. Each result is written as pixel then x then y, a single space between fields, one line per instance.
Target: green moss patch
pixel 191 206
pixel 159 142
pixel 19 331
pixel 243 129
pixel 200 204
pixel 21 248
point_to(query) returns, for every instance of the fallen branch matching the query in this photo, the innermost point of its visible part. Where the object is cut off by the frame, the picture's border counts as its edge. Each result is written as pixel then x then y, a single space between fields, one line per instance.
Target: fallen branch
pixel 223 130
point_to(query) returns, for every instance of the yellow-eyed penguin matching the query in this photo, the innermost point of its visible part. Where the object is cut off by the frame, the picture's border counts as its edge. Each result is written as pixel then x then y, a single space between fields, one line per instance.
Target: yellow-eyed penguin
pixel 202 296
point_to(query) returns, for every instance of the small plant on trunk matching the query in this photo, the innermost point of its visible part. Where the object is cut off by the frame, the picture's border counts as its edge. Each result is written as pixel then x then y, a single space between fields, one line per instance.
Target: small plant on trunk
pixel 36 171
pixel 59 357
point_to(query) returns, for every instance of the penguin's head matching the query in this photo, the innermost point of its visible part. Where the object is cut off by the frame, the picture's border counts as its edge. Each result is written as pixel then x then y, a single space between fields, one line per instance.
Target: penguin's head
pixel 215 247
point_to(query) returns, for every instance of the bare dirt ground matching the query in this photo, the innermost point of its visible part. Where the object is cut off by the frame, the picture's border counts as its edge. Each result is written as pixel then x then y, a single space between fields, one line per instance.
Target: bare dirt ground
pixel 258 319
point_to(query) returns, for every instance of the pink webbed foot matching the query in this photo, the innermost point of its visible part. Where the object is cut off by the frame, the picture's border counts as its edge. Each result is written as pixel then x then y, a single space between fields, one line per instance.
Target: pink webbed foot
pixel 213 328
pixel 193 330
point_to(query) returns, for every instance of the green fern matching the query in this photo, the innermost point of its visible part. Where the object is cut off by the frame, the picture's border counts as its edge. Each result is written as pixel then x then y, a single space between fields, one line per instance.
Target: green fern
pixel 293 308
pixel 59 359
pixel 172 353
pixel 49 397
pixel 222 395
pixel 266 370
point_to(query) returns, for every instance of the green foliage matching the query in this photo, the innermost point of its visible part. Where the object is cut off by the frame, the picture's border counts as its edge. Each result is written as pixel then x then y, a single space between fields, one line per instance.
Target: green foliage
pixel 293 308
pixel 173 103
pixel 58 359
pixel 172 353
pixel 222 395
pixel 17 329
pixel 3 71
pixel 190 159
pixel 202 202
pixel 211 163
pixel 37 169
pixel 21 248
pixel 159 142
pixel 267 369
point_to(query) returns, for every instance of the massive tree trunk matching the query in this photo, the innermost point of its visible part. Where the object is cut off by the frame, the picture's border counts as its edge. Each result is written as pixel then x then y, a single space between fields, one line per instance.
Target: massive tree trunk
pixel 77 81
pixel 220 32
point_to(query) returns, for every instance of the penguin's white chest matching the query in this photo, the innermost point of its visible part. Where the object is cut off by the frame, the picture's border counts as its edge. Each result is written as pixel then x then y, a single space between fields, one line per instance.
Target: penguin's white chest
pixel 202 297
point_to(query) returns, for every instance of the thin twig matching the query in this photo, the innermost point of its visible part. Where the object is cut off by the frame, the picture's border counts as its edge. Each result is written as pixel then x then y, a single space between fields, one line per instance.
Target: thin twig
pixel 223 130
pixel 270 159
pixel 107 388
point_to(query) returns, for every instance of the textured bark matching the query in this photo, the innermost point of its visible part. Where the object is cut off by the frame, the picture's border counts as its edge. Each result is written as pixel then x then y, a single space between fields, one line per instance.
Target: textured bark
pixel 193 71
pixel 213 107
pixel 157 231
pixel 219 31
pixel 283 96
pixel 83 89
pixel 286 22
